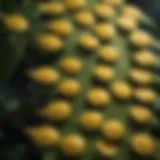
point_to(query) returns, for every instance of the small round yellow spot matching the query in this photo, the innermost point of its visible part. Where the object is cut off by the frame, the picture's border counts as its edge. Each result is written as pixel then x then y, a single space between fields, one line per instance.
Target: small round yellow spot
pixel 75 5
pixel 132 11
pixel 103 73
pixel 106 150
pixel 43 136
pixel 113 2
pixel 141 76
pixel 44 75
pixel 143 144
pixel 49 43
pixel 98 97
pixel 145 95
pixel 103 11
pixel 61 27
pixel 58 110
pixel 16 23
pixel 69 87
pixel 113 130
pixel 145 58
pixel 88 42
pixel 109 54
pixel 84 18
pixel 141 114
pixel 73 145
pixel 140 39
pixel 105 31
pixel 127 23
pixel 91 120
pixel 52 8
pixel 71 65
pixel 121 90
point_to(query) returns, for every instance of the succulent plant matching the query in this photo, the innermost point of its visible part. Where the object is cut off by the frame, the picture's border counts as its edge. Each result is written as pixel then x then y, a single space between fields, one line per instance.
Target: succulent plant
pixel 87 85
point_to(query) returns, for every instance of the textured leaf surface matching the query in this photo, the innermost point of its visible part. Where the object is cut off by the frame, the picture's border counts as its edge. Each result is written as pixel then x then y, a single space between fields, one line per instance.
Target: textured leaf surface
pixel 33 95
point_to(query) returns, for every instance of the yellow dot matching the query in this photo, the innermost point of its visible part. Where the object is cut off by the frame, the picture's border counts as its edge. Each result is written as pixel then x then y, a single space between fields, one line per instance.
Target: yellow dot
pixel 71 65
pixel 49 43
pixel 44 75
pixel 133 12
pixel 73 145
pixel 98 97
pixel 43 136
pixel 113 2
pixel 88 42
pixel 75 5
pixel 91 120
pixel 145 95
pixel 141 114
pixel 58 110
pixel 121 90
pixel 109 54
pixel 16 23
pixel 69 87
pixel 127 23
pixel 143 144
pixel 61 27
pixel 113 130
pixel 145 58
pixel 52 8
pixel 84 18
pixel 103 11
pixel 141 76
pixel 103 73
pixel 105 31
pixel 140 39
pixel 106 150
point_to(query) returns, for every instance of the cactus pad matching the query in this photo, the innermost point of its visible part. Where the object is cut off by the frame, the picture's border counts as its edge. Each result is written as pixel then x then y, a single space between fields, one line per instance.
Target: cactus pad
pixel 90 83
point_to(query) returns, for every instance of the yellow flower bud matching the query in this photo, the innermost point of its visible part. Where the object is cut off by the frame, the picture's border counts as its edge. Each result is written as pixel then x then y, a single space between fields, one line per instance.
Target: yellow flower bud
pixel 105 31
pixel 43 136
pixel 52 8
pixel 103 11
pixel 69 87
pixel 140 39
pixel 84 18
pixel 61 27
pixel 44 75
pixel 57 110
pixel 71 65
pixel 91 120
pixel 98 97
pixel 145 58
pixel 109 54
pixel 113 2
pixel 49 43
pixel 113 130
pixel 143 144
pixel 127 23
pixel 88 42
pixel 106 150
pixel 103 73
pixel 145 95
pixel 75 5
pixel 133 12
pixel 121 90
pixel 141 76
pixel 73 145
pixel 141 114
pixel 16 23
